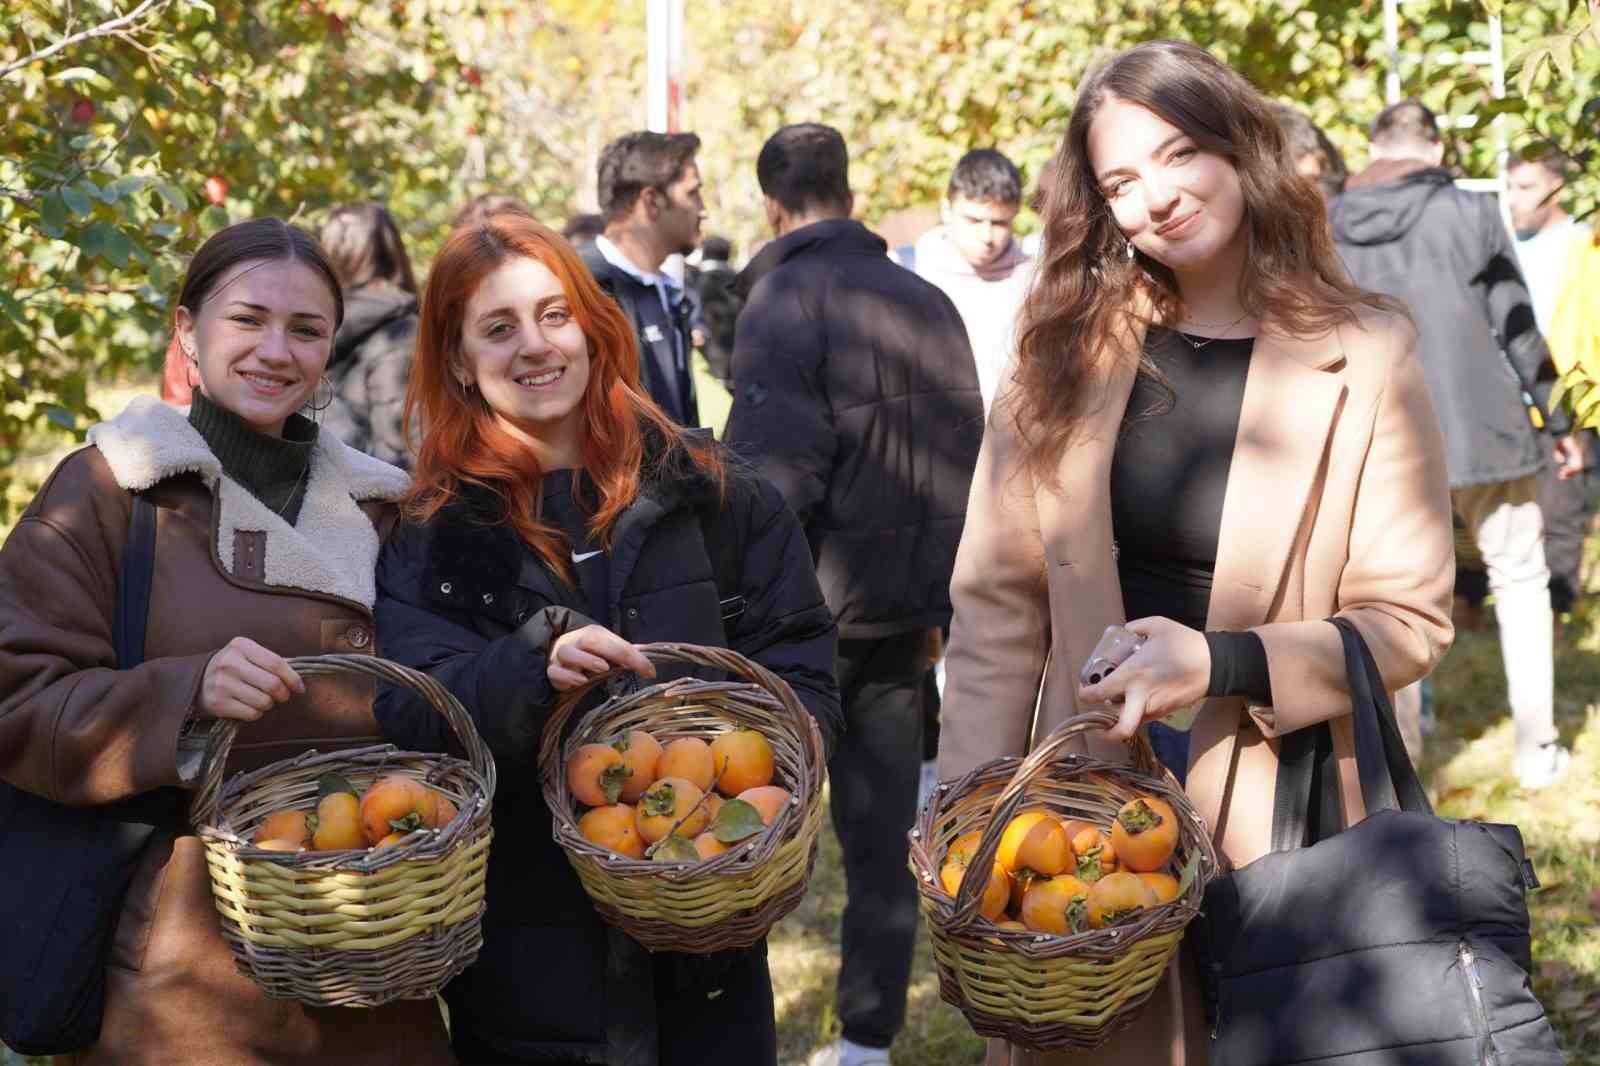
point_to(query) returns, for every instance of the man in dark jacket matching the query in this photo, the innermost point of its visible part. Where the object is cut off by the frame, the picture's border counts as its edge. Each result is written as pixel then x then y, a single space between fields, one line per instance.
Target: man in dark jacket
pixel 649 191
pixel 1405 230
pixel 856 394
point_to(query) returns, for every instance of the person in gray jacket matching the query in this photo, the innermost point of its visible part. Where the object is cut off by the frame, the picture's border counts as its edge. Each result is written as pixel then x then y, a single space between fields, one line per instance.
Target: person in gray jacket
pixel 371 361
pixel 1407 231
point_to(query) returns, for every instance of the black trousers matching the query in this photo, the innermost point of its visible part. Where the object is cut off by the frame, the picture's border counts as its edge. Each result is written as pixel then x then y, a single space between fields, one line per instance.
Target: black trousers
pixel 1565 523
pixel 873 781
pixel 702 1009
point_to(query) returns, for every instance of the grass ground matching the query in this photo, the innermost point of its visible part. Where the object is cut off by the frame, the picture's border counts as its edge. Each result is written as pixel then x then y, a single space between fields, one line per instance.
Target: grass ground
pixel 1467 768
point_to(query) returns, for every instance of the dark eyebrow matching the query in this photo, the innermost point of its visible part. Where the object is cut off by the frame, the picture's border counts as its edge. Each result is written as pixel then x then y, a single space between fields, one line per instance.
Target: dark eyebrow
pixel 1162 147
pixel 267 310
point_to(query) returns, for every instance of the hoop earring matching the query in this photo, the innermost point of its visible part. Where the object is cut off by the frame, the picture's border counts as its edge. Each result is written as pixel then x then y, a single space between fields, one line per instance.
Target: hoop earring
pixel 315 406
pixel 1129 245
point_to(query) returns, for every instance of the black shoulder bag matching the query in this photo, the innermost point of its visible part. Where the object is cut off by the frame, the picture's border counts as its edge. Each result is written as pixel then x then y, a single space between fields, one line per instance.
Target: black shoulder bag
pixel 70 866
pixel 1403 939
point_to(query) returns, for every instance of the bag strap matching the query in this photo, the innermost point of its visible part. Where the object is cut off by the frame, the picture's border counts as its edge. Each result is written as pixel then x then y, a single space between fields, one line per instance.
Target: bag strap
pixel 726 568
pixel 133 584
pixel 1307 768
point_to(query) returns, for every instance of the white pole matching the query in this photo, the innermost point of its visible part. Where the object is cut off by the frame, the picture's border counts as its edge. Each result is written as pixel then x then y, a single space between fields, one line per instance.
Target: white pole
pixel 663 65
pixel 1391 38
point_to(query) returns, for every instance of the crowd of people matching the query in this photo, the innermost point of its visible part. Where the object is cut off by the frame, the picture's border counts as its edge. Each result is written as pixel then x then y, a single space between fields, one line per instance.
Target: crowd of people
pixel 1230 392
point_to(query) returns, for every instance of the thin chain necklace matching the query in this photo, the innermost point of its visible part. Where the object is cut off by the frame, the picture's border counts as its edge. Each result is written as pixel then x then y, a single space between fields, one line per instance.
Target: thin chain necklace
pixel 1197 345
pixel 293 488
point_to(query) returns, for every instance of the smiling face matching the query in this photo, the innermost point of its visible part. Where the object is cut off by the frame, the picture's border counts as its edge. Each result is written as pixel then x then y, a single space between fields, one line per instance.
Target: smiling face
pixel 525 353
pixel 1180 205
pixel 261 339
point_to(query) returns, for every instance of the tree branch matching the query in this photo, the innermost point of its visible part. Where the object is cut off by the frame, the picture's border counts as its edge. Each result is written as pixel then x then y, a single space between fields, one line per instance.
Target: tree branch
pixel 105 29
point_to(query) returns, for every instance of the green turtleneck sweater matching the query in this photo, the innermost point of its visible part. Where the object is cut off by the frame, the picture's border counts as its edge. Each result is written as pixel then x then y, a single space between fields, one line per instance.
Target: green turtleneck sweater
pixel 273 469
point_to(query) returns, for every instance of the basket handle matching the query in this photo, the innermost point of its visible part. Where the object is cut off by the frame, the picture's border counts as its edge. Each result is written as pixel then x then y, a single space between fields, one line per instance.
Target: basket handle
pixel 725 659
pixel 970 894
pixel 206 805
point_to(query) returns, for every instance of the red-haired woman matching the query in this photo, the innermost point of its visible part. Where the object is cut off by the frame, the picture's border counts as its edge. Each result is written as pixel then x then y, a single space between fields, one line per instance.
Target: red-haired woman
pixel 1207 430
pixel 557 518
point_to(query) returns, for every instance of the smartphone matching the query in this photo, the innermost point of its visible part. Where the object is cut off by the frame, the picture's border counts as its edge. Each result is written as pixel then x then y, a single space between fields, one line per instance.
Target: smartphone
pixel 1116 646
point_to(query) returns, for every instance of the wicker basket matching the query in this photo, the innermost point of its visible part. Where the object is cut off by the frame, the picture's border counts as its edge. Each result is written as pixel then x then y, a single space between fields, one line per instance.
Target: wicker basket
pixel 354 928
pixel 1039 991
pixel 731 900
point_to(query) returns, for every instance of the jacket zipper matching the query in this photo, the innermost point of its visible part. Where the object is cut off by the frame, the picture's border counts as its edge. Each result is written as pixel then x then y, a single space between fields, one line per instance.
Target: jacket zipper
pixel 1487 1053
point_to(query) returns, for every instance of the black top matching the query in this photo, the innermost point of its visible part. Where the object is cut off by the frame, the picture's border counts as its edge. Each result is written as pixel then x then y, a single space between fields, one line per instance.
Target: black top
pixel 273 469
pixel 569 501
pixel 1168 479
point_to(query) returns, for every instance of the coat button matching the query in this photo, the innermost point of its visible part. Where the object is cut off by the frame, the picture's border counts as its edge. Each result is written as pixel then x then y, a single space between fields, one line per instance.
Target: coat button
pixel 446 588
pixel 523 615
pixel 633 612
pixel 488 599
pixel 358 636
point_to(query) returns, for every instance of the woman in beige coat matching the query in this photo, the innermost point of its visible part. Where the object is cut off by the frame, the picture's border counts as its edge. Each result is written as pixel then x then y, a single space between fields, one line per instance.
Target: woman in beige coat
pixel 1209 430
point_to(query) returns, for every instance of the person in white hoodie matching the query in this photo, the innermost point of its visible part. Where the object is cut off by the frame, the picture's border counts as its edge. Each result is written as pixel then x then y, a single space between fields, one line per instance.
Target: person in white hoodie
pixel 974 258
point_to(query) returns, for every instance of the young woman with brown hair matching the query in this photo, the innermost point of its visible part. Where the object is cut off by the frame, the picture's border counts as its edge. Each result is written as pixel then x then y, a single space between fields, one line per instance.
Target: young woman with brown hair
pixel 1207 430
pixel 557 518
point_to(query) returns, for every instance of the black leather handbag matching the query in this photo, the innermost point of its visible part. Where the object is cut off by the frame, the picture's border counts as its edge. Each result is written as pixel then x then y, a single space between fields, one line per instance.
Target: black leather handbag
pixel 1403 939
pixel 68 868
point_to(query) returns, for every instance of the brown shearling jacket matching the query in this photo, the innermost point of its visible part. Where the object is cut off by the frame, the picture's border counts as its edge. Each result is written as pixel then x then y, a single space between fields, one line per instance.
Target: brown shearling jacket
pixel 77 730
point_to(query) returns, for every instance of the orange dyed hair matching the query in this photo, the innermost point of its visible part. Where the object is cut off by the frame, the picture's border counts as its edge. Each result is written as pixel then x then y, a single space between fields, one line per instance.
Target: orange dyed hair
pixel 463 443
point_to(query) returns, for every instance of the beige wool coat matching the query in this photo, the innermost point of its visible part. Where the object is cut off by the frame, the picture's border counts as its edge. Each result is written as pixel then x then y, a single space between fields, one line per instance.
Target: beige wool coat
pixel 1337 503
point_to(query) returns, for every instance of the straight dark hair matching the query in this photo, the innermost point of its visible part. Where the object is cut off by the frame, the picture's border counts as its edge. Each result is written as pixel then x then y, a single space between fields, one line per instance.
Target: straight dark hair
pixel 1090 298
pixel 267 240
pixel 363 243
pixel 805 167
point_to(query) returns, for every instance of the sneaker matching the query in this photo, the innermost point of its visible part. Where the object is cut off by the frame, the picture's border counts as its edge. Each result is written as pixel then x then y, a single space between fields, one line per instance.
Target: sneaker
pixel 843 1053
pixel 1542 767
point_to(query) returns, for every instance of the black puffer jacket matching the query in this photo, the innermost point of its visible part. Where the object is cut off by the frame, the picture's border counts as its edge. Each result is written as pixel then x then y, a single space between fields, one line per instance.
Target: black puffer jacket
pixel 1405 230
pixel 370 366
pixel 462 598
pixel 855 391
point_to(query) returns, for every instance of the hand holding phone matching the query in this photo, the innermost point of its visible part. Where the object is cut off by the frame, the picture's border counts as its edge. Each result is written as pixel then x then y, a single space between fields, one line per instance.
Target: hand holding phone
pixel 1115 647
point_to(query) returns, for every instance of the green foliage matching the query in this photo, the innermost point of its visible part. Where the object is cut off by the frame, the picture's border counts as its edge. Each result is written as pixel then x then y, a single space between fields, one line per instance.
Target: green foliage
pixel 107 143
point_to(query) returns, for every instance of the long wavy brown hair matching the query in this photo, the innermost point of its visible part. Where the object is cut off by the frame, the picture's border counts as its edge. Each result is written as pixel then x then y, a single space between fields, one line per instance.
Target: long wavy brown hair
pixel 464 444
pixel 1090 299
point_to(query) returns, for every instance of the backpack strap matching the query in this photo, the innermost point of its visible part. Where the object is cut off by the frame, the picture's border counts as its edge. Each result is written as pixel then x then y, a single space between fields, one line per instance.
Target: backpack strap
pixel 133 584
pixel 726 567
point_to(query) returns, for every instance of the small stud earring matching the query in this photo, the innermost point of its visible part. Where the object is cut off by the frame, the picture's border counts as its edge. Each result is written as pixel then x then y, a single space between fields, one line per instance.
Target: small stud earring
pixel 1130 249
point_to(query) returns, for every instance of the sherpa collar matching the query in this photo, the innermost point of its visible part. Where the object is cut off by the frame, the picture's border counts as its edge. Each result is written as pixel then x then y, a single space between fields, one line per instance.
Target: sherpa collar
pixel 332 548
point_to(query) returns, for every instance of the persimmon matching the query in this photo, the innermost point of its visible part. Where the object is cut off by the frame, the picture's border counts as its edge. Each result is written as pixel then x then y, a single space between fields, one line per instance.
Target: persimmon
pixel 714 804
pixel 1011 924
pixel 597 774
pixel 1116 897
pixel 664 804
pixel 1096 856
pixel 641 754
pixel 995 893
pixel 338 823
pixel 284 825
pixel 742 760
pixel 768 800
pixel 280 845
pixel 1145 834
pixel 1056 905
pixel 690 759
pixel 709 846
pixel 964 847
pixel 394 838
pixel 397 802
pixel 1034 840
pixel 1165 886
pixel 444 811
pixel 614 828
